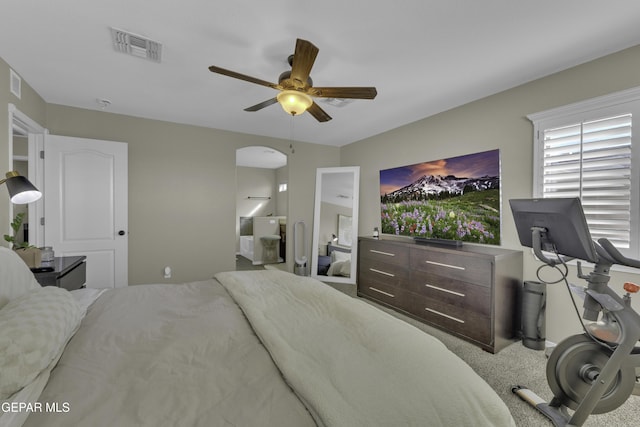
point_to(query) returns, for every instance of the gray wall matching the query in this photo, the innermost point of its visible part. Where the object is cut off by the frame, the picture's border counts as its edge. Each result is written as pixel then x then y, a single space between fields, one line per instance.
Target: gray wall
pixel 498 121
pixel 182 189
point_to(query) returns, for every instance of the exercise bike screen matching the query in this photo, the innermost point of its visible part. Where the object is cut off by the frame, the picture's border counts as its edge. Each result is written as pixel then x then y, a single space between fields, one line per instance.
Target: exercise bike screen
pixel 564 222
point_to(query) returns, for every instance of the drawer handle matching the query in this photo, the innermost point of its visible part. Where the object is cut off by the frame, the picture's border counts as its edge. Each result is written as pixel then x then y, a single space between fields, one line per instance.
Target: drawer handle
pixel 382 272
pixel 444 315
pixel 382 292
pixel 445 290
pixel 381 253
pixel 445 265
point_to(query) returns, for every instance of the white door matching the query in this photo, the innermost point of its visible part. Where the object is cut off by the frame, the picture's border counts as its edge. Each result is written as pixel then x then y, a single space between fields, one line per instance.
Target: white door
pixel 85 205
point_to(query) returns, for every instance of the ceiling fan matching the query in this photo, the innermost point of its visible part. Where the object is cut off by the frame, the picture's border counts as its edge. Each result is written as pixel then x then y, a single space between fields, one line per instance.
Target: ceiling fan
pixel 296 87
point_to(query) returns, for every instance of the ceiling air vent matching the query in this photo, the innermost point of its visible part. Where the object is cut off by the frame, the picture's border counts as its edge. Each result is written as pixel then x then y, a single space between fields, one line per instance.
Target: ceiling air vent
pixel 136 45
pixel 338 102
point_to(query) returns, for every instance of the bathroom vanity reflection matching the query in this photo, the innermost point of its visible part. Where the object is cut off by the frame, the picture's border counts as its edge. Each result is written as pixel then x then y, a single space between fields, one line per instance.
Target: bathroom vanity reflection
pixel 335 224
pixel 263 239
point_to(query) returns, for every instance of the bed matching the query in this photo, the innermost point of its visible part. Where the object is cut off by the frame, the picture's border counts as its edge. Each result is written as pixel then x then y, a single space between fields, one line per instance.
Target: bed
pixel 252 348
pixel 337 262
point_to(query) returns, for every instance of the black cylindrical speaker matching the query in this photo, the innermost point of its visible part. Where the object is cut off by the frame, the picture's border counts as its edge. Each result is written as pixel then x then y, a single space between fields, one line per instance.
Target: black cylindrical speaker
pixel 534 300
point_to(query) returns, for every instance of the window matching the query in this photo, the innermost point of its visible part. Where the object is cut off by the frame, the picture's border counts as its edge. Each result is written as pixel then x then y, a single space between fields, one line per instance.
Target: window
pixel 588 150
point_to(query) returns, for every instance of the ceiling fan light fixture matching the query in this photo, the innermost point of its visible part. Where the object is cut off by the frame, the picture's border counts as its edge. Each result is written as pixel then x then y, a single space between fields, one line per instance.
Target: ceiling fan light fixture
pixel 294 102
pixel 296 95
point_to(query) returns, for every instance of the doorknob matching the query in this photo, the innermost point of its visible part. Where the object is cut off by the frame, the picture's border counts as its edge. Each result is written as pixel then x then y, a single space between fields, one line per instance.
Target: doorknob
pixel 121 233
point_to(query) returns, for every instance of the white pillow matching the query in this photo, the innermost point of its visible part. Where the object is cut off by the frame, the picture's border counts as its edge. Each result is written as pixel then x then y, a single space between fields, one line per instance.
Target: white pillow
pixel 345 269
pixel 15 277
pixel 340 268
pixel 35 327
pixel 340 256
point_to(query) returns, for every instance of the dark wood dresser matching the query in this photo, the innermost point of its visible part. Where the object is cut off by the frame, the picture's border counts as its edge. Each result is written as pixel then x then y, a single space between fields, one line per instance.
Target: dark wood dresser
pixel 470 291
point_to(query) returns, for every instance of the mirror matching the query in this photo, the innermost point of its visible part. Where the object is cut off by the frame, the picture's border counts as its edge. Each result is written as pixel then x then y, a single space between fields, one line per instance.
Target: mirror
pixel 335 225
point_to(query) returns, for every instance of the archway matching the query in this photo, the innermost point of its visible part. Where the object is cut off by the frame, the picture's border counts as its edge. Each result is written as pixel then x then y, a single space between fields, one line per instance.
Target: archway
pixel 261 206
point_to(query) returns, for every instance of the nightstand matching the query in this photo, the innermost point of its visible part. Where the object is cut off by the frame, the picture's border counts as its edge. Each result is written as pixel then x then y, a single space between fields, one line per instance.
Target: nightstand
pixel 69 272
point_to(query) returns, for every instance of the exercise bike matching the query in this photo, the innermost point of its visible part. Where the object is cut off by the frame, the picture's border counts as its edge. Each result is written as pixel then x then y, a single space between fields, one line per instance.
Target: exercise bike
pixel 593 372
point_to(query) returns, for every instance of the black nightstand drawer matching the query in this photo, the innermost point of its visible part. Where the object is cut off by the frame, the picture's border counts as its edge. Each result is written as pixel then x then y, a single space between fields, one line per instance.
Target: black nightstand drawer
pixel 68 272
pixel 74 279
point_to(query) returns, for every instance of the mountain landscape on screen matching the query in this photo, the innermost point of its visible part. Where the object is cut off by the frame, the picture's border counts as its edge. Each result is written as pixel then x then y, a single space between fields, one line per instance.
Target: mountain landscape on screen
pixel 443 186
pixel 453 199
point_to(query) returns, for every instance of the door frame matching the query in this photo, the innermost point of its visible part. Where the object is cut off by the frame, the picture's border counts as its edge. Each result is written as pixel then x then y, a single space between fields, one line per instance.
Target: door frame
pixel 35 133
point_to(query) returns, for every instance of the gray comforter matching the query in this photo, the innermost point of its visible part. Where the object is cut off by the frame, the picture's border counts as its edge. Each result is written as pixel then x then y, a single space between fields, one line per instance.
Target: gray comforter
pixel 168 355
pixel 357 366
pixel 264 349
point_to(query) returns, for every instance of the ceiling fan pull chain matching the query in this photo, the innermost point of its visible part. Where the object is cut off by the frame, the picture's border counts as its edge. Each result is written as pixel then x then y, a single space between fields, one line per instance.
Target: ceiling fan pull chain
pixel 291 124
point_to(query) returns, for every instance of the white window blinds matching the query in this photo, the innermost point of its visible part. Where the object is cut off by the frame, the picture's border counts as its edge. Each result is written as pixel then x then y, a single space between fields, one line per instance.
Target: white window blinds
pixel 592 160
pixel 589 150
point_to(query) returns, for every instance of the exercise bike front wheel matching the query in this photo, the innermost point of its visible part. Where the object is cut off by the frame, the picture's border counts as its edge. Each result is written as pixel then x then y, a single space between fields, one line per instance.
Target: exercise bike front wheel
pixel 575 364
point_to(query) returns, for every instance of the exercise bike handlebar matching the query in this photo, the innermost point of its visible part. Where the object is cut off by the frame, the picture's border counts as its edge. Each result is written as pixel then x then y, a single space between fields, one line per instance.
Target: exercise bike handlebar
pixel 616 255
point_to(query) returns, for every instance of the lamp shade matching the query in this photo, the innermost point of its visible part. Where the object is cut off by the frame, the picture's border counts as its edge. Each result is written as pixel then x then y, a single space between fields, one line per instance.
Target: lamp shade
pixel 21 191
pixel 294 102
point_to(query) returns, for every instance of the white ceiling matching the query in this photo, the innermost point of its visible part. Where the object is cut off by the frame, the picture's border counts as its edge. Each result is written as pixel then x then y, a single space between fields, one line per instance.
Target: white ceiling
pixel 337 188
pixel 424 56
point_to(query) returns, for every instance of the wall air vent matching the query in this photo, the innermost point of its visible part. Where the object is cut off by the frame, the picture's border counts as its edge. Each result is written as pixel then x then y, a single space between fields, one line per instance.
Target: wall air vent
pixel 15 84
pixel 136 45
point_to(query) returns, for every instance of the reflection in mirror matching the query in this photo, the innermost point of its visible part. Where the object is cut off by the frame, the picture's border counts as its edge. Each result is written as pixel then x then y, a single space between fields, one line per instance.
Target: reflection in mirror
pixel 335 225
pixel 261 208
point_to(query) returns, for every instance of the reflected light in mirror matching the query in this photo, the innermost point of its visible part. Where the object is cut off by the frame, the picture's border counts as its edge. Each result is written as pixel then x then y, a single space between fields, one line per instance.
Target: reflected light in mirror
pixel 256 209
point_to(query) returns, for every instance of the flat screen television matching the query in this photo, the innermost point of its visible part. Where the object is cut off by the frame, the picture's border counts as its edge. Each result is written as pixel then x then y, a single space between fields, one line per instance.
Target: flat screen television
pixel 563 224
pixel 455 199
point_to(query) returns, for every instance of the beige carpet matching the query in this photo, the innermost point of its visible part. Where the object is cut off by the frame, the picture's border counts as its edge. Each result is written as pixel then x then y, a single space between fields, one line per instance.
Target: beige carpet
pixel 515 365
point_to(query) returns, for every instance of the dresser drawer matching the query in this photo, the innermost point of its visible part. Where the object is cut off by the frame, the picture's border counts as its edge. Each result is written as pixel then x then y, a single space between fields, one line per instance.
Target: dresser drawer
pixel 450 291
pixel 467 268
pixel 454 319
pixel 382 272
pixel 384 252
pixel 385 293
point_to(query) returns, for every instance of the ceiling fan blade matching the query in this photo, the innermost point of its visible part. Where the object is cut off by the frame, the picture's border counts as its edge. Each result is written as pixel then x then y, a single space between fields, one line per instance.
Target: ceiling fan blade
pixel 318 113
pixel 303 59
pixel 262 105
pixel 344 92
pixel 244 77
